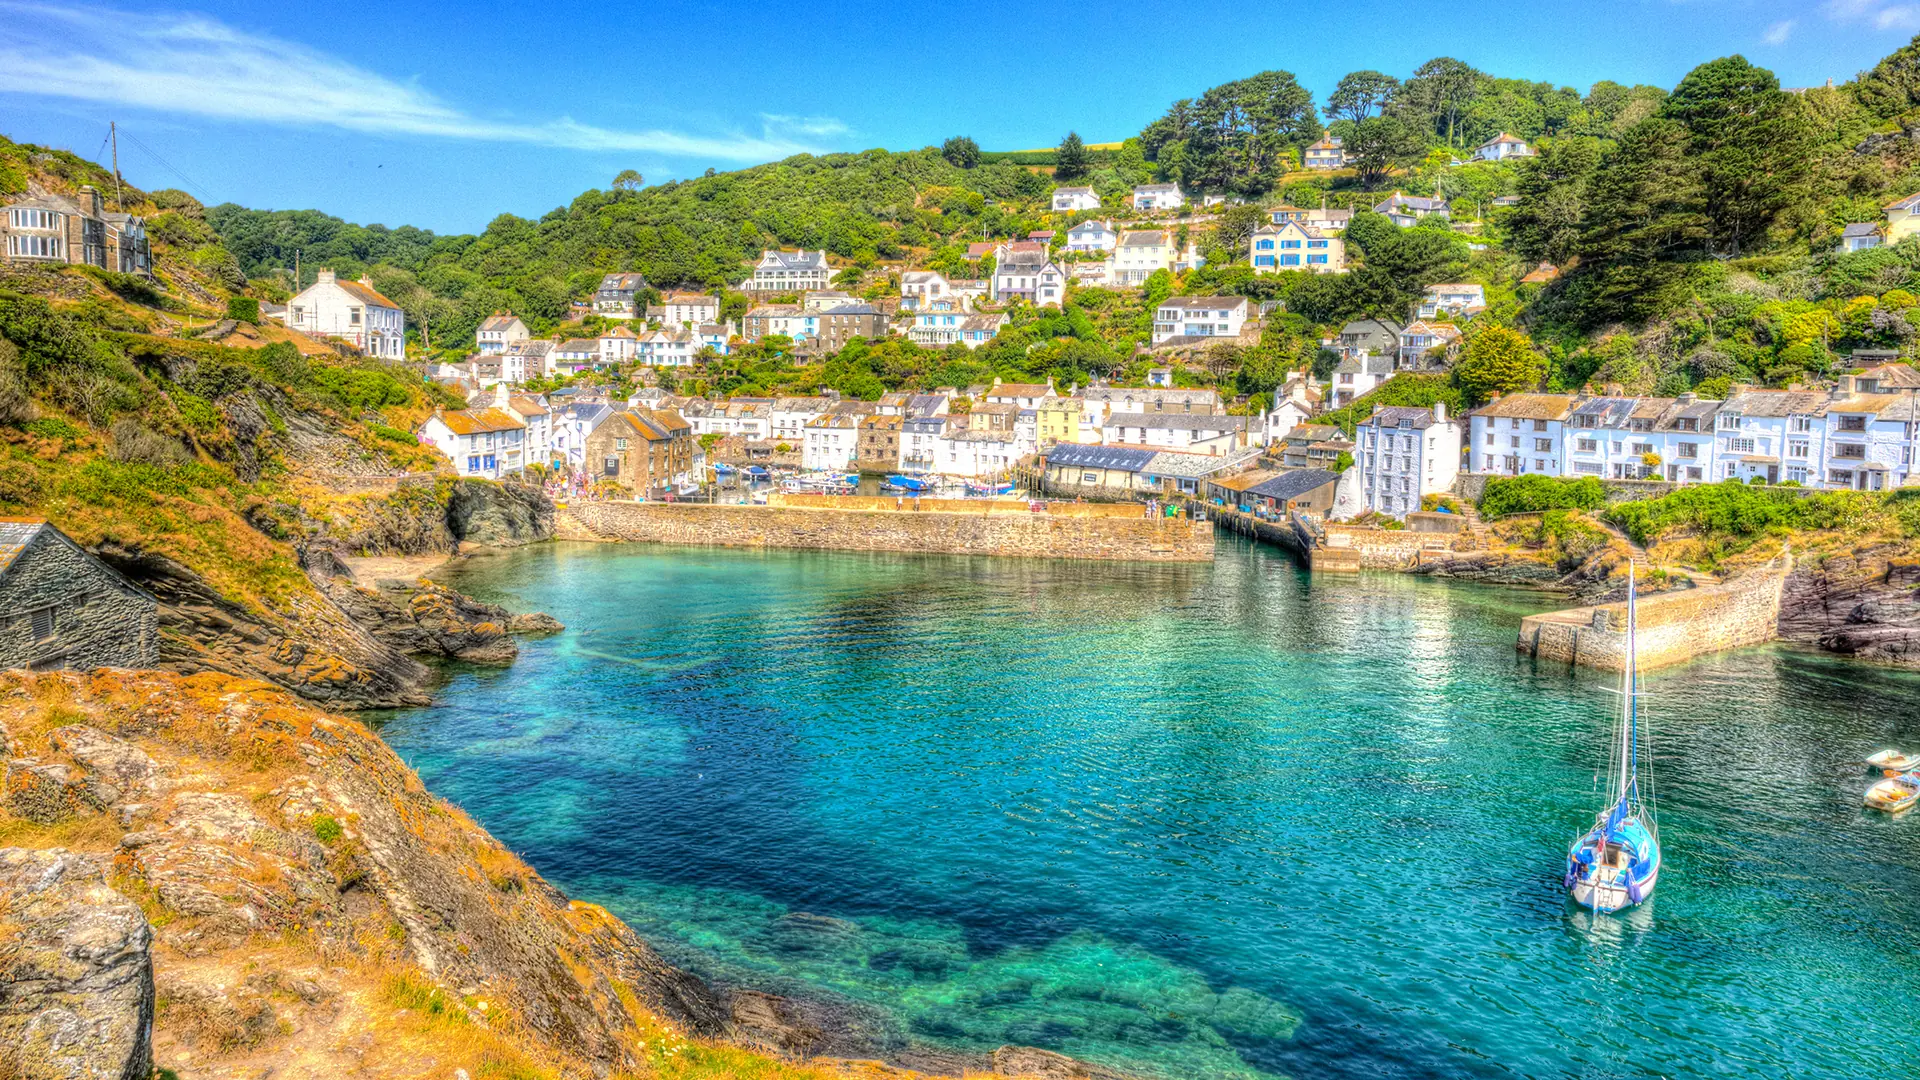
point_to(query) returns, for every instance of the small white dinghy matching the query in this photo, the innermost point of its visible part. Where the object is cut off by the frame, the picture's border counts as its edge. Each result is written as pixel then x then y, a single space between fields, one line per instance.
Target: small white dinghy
pixel 1893 762
pixel 1895 793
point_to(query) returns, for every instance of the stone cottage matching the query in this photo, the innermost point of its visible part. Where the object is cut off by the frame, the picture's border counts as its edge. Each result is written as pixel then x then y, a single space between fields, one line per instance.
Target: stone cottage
pixel 62 608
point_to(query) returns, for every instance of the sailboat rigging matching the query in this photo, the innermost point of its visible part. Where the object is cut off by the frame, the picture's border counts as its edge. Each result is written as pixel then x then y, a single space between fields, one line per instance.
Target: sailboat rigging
pixel 1616 863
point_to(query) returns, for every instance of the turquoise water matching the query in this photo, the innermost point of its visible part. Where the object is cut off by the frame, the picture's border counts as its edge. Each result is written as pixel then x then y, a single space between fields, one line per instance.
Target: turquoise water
pixel 1190 821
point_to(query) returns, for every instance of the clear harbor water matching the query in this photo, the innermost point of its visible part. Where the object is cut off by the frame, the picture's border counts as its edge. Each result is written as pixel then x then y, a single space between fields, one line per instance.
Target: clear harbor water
pixel 1190 821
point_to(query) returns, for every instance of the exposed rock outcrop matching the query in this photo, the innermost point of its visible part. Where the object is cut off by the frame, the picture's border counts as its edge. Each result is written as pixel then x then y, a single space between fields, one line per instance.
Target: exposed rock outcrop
pixel 498 515
pixel 419 617
pixel 76 975
pixel 1864 604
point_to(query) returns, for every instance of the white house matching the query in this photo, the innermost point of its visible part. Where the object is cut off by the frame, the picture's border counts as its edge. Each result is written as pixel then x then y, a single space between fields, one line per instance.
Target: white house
pixel 1198 317
pixel 666 348
pixel 1870 439
pixel 695 308
pixel 1359 375
pixel 1501 147
pixel 538 419
pixel 576 354
pixel 1294 246
pixel 1092 236
pixel 1519 434
pixel 1404 453
pixel 1419 340
pixel 968 453
pixel 830 443
pixel 923 289
pixel 1772 434
pixel 1293 403
pixel 937 329
pixel 487 443
pixel 1068 200
pixel 789 272
pixel 499 331
pixel 1405 210
pixel 1325 154
pixel 1200 433
pixel 1038 280
pixel 618 345
pixel 1158 197
pixel 353 312
pixel 1458 299
pixel 1139 254
pixel 570 426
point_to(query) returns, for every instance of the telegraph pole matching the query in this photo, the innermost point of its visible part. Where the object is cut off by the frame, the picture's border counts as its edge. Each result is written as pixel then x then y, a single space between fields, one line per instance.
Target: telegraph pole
pixel 119 198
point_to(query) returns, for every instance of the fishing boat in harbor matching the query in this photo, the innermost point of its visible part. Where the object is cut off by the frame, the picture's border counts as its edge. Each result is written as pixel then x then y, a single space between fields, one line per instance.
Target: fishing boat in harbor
pixel 904 482
pixel 1894 793
pixel 989 490
pixel 1616 863
pixel 1893 762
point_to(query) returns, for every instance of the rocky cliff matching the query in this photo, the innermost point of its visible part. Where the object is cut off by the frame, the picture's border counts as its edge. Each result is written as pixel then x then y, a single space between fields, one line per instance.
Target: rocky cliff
pixel 209 876
pixel 1864 603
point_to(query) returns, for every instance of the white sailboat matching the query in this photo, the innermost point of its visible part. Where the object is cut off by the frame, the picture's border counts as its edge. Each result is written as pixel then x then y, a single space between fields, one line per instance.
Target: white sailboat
pixel 1616 863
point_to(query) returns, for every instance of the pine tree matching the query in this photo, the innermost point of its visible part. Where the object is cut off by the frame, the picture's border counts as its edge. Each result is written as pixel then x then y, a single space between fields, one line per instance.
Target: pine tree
pixel 1070 161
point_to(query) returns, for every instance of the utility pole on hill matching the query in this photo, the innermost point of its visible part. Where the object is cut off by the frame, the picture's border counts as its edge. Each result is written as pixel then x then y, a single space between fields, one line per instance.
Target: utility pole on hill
pixel 119 198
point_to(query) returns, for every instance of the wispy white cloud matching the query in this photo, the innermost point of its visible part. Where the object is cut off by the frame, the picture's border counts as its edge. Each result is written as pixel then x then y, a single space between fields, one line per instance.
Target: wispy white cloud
pixel 197 65
pixel 1879 14
pixel 1778 33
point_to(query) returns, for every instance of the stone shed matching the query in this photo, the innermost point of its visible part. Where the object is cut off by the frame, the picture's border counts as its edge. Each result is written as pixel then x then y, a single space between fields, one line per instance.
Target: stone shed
pixel 62 608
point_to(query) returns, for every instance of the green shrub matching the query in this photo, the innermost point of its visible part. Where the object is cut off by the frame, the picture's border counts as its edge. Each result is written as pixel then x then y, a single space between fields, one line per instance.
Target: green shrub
pixel 103 481
pixel 326 829
pixel 196 412
pixel 1731 510
pixel 52 427
pixel 391 434
pixel 1533 492
pixel 243 309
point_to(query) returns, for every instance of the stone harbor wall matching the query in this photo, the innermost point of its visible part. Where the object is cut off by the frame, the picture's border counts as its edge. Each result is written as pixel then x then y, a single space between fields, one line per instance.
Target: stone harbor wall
pixel 1064 531
pixel 1674 626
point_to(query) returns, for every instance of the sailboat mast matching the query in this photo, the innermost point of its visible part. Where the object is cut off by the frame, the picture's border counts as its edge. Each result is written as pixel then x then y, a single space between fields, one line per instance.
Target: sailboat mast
pixel 1632 786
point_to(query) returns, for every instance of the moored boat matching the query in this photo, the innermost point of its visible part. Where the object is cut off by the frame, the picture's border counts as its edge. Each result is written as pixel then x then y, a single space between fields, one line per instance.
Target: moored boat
pixel 1893 762
pixel 1894 793
pixel 904 482
pixel 1616 863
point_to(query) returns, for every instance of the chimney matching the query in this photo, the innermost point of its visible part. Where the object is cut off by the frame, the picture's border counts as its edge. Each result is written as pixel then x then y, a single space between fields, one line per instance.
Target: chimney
pixel 1440 412
pixel 1687 398
pixel 1736 389
pixel 91 197
pixel 1614 389
pixel 1843 388
pixel 323 277
pixel 1493 397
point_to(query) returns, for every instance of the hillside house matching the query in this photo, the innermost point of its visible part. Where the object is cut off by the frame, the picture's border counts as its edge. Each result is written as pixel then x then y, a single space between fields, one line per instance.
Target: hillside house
pixel 485 443
pixel 839 325
pixel 679 309
pixel 1328 220
pixel 1519 434
pixel 647 451
pixel 1139 254
pixel 1158 197
pixel 1405 453
pixel 1182 320
pixel 1325 154
pixel 1406 210
pixel 1861 236
pixel 1205 434
pixel 523 360
pixel 571 424
pixel 618 345
pixel 615 298
pixel 1428 346
pixel 533 413
pixel 1314 446
pixel 63 609
pixel 923 290
pixel 1457 299
pixel 41 228
pixel 789 272
pixel 1501 147
pixel 579 354
pixel 1294 246
pixel 1092 236
pixel 1359 375
pixel 353 312
pixel 498 331
pixel 1069 200
pixel 937 329
pixel 1903 219
pixel 1376 337
pixel 790 320
pixel 1030 276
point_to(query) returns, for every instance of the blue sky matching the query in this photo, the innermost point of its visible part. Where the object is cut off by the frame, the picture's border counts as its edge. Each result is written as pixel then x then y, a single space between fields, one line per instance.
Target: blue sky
pixel 443 115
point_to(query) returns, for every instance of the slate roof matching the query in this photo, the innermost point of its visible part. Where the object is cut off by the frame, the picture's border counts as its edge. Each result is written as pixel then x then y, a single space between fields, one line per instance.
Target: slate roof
pixel 1861 228
pixel 1892 375
pixel 1073 191
pixel 1528 407
pixel 1175 463
pixel 1204 303
pixel 1083 456
pixel 788 260
pixel 577 345
pixel 498 322
pixel 1292 485
pixel 622 283
pixel 1370 364
pixel 1144 238
pixel 1608 412
pixel 1778 403
pixel 1392 415
pixel 1177 421
pixel 15 535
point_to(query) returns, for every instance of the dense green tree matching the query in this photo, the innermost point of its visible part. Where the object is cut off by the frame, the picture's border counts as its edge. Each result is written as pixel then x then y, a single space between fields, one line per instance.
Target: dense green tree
pixel 1553 201
pixel 1361 94
pixel 1070 161
pixel 1646 218
pixel 629 180
pixel 1752 142
pixel 1236 136
pixel 1441 91
pixel 1233 229
pixel 1497 360
pixel 1892 87
pixel 961 152
pixel 1376 145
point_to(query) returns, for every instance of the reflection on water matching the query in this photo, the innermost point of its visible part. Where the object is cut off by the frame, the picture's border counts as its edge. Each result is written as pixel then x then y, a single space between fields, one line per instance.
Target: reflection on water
pixel 1200 821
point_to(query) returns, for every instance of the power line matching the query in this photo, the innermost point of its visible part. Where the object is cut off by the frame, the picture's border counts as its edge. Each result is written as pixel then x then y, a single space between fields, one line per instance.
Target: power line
pixel 191 187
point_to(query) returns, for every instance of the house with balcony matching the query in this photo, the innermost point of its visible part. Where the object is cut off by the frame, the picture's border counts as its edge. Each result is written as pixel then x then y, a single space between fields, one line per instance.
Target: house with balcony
pixel 789 272
pixel 1031 276
pixel 1093 236
pixel 616 298
pixel 929 290
pixel 1460 300
pixel 1407 210
pixel 1158 197
pixel 1139 254
pixel 1071 200
pixel 1185 320
pixel 1501 147
pixel 1428 346
pixel 484 443
pixel 1295 246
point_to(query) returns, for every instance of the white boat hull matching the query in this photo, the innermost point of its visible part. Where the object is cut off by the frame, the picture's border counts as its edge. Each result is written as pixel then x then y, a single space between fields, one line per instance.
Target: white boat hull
pixel 1612 897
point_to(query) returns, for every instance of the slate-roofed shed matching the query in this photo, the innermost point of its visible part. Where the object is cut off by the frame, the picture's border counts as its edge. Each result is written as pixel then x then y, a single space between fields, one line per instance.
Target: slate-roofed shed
pixel 60 607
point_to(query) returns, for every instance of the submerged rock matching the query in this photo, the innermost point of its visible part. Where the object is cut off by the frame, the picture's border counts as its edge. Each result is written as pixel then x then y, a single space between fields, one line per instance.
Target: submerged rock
pixel 76 976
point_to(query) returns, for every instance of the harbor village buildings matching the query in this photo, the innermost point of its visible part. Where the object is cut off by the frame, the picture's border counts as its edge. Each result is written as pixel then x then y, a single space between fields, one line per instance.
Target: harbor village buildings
pixel 352 311
pixel 43 228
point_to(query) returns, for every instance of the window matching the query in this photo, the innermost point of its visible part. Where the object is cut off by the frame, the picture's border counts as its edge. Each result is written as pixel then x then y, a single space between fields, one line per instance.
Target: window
pixel 1489 438
pixel 1543 444
pixel 1687 450
pixel 1853 423
pixel 1730 423
pixel 1798 448
pixel 1586 446
pixel 1539 425
pixel 30 218
pixel 1587 468
pixel 1854 451
pixel 353 317
pixel 39 247
pixel 1842 477
pixel 42 625
pixel 1800 423
pixel 1740 446
pixel 1643 449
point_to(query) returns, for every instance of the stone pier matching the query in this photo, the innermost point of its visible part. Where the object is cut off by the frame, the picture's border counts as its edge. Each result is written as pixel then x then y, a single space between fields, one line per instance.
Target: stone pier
pixel 1673 626
pixel 952 526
